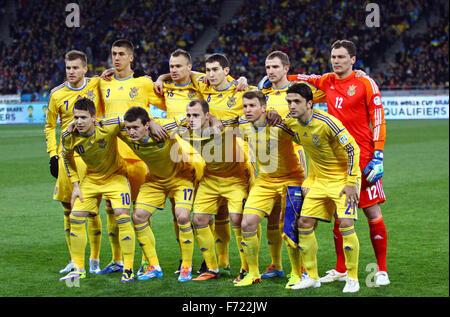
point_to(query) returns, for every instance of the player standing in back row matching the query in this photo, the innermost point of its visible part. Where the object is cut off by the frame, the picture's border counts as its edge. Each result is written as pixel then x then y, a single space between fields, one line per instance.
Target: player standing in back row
pixel 356 102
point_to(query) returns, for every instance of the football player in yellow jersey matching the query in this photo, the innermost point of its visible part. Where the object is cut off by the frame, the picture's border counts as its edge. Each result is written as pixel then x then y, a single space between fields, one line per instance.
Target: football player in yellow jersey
pixel 105 177
pixel 179 65
pixel 277 167
pixel 168 177
pixel 119 94
pixel 277 66
pixel 61 101
pixel 332 186
pixel 225 179
pixel 178 90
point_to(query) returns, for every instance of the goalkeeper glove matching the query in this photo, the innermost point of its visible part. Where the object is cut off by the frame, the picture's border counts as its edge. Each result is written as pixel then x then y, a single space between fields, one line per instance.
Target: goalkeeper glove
pixel 54 166
pixel 375 167
pixel 138 73
pixel 264 83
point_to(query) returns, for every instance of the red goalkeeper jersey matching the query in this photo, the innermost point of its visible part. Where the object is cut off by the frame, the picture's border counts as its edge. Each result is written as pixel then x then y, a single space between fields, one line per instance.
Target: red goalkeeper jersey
pixel 356 102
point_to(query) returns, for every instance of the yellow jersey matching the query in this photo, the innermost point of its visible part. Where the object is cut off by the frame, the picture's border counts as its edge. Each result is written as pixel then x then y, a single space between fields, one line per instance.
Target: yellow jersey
pixel 272 150
pixel 332 151
pixel 61 101
pixel 164 159
pixel 276 98
pixel 224 104
pixel 177 97
pixel 119 95
pixel 98 151
pixel 222 154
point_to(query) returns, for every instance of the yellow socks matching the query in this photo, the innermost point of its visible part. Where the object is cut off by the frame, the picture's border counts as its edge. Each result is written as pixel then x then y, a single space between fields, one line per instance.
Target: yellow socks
pixel 186 244
pixel 78 240
pixel 275 243
pixel 113 234
pixel 223 235
pixel 295 259
pixel 67 229
pixel 350 244
pixel 205 241
pixel 94 231
pixel 238 234
pixel 250 243
pixel 126 240
pixel 146 239
pixel 308 250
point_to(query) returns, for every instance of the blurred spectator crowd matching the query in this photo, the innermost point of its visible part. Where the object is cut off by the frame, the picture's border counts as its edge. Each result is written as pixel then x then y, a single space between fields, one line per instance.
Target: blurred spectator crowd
pixel 34 60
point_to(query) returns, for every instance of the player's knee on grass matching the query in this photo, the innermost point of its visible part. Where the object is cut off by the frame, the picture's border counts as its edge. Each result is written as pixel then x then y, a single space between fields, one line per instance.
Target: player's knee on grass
pixel 183 215
pixel 79 214
pixel 201 220
pixel 250 223
pixel 121 211
pixel 236 220
pixel 274 217
pixel 140 216
pixel 306 223
pixel 345 223
pixel 373 212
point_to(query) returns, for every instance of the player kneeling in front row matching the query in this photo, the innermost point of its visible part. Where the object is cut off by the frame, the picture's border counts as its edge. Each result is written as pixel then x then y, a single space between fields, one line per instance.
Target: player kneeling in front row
pixel 332 185
pixel 168 177
pixel 96 144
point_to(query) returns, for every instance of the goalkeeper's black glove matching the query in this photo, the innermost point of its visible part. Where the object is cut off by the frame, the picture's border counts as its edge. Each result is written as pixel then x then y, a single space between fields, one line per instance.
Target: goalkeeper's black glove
pixel 54 166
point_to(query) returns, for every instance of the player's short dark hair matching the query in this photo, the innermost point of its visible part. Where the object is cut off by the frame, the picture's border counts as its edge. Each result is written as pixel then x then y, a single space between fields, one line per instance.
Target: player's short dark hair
pixel 348 45
pixel 85 104
pixel 124 43
pixel 302 89
pixel 220 58
pixel 284 58
pixel 181 52
pixel 203 103
pixel 252 94
pixel 74 54
pixel 135 113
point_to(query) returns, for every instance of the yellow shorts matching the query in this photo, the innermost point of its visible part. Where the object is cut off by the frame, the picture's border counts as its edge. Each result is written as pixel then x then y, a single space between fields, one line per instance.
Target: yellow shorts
pixel 264 195
pixel 63 186
pixel 136 171
pixel 153 194
pixel 323 200
pixel 116 189
pixel 214 191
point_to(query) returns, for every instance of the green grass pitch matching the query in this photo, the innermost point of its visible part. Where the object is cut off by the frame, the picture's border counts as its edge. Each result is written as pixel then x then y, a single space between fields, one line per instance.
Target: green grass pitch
pixel 416 181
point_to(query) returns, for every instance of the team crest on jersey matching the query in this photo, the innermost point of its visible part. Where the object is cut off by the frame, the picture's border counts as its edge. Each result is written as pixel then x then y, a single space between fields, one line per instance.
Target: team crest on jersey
pixel 343 139
pixel 231 102
pixel 102 144
pixel 351 90
pixel 315 139
pixel 133 92
pixel 191 93
pixel 90 95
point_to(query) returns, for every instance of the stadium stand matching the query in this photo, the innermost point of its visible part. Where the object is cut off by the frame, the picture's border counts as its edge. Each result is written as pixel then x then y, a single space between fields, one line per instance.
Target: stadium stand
pixel 32 63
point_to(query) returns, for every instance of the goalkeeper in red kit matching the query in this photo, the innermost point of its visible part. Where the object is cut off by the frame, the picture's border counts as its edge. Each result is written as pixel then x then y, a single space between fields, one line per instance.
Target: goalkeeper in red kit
pixel 356 102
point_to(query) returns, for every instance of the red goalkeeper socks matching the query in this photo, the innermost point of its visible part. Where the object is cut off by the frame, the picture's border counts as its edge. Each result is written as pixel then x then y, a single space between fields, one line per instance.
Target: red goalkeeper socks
pixel 378 236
